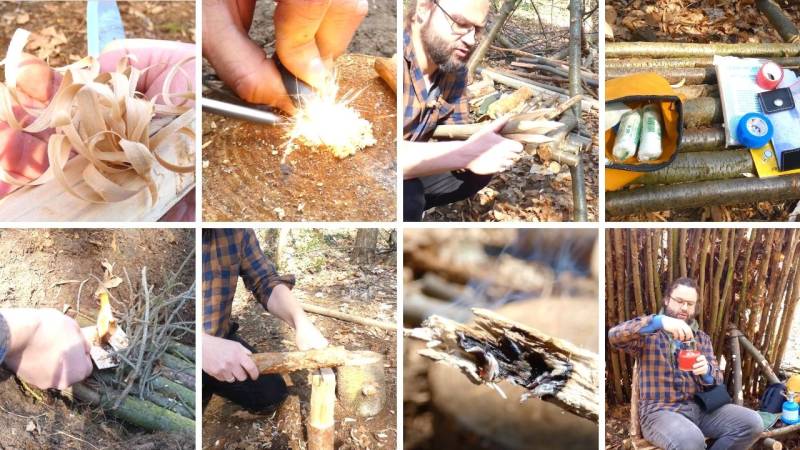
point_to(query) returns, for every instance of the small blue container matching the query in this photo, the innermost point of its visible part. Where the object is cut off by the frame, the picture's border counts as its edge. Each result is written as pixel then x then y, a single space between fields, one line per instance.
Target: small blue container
pixel 790 413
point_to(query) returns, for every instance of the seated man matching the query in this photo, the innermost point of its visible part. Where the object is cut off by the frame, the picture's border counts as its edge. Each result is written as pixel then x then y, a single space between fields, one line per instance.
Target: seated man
pixel 438 40
pixel 669 417
pixel 228 369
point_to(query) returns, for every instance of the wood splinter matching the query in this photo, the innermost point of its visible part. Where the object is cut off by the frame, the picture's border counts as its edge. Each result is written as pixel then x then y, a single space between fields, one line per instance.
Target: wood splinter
pixel 494 348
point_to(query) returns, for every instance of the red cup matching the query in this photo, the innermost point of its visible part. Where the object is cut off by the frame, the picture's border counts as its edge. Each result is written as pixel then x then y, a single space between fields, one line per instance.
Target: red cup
pixel 687 358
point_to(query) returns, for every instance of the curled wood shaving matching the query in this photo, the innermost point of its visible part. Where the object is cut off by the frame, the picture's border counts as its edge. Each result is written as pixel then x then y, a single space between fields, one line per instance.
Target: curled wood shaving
pixel 104 120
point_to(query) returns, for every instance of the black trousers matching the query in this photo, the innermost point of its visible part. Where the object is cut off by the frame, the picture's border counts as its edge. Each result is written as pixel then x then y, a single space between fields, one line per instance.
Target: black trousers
pixel 262 395
pixel 424 193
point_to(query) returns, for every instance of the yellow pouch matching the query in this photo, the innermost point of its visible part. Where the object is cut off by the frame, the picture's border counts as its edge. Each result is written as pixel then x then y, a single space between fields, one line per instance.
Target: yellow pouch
pixel 635 91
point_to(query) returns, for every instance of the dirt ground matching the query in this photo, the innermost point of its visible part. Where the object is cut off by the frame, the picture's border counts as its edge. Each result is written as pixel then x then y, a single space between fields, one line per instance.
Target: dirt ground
pixel 67 42
pixel 43 269
pixel 244 178
pixel 325 277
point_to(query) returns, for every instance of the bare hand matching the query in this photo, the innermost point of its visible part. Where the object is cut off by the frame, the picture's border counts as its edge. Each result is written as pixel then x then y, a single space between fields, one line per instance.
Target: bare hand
pixel 678 328
pixel 47 349
pixel 491 152
pixel 227 360
pixel 700 366
pixel 308 336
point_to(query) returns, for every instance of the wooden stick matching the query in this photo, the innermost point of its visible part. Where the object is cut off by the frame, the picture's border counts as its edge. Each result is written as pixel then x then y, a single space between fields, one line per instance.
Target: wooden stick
pixel 689 75
pixel 782 431
pixel 678 63
pixel 701 112
pixel 758 358
pixel 323 402
pixel 684 50
pixel 315 309
pixel 284 362
pixel 736 356
pixel 701 194
pixel 702 140
pixel 552 369
pixel 516 83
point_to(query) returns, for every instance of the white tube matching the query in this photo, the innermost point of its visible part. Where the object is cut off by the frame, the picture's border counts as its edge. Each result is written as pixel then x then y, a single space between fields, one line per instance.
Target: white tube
pixel 627 135
pixel 650 140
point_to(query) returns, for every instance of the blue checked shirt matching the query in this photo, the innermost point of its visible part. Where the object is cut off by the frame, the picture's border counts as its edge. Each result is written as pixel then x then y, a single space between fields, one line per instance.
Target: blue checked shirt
pixel 662 385
pixel 227 255
pixel 445 103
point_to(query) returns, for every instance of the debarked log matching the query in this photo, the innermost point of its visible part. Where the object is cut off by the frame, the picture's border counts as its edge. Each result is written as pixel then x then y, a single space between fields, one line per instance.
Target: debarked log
pixel 702 166
pixel 685 50
pixel 494 348
pixel 701 194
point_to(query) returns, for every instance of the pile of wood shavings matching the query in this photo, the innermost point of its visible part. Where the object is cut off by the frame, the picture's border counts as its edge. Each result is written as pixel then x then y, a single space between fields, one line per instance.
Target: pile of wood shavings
pixel 102 118
pixel 322 121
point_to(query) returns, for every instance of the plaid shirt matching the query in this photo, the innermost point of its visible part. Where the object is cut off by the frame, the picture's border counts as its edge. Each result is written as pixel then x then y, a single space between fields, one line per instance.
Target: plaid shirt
pixel 662 385
pixel 446 102
pixel 228 254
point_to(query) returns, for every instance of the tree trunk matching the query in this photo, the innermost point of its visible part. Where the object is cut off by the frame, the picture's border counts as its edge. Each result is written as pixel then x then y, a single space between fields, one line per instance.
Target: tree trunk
pixel 505 11
pixel 576 171
pixel 365 246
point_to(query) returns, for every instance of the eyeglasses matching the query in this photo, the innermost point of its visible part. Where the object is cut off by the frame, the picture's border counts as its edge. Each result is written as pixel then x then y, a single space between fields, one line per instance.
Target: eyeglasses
pixel 681 303
pixel 459 28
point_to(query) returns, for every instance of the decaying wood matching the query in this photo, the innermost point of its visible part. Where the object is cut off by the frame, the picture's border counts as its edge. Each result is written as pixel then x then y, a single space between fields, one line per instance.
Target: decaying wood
pixel 285 362
pixel 780 21
pixel 315 309
pixel 132 410
pixel 686 50
pixel 495 348
pixel 321 431
pixel 702 194
pixel 701 166
pixel 387 70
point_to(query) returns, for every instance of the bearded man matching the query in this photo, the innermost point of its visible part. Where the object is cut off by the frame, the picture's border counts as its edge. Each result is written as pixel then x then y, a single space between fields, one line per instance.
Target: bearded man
pixel 439 37
pixel 669 416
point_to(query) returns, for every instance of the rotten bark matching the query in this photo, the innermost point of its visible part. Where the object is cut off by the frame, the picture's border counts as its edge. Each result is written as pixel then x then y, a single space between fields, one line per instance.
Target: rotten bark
pixel 494 349
pixel 701 194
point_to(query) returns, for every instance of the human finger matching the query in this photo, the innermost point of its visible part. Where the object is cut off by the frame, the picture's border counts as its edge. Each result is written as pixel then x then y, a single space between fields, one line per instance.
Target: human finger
pixel 296 25
pixel 250 367
pixel 239 373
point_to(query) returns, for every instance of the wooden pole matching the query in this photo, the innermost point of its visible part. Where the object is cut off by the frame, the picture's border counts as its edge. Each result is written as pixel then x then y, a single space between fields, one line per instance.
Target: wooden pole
pixel 702 166
pixel 783 431
pixel 315 309
pixel 321 430
pixel 517 83
pixel 505 11
pixel 684 50
pixel 759 359
pixel 687 75
pixel 702 140
pixel 736 357
pixel 701 194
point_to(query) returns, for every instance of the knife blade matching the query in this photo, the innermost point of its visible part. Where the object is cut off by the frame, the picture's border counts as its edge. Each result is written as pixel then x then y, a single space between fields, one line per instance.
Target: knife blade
pixel 103 25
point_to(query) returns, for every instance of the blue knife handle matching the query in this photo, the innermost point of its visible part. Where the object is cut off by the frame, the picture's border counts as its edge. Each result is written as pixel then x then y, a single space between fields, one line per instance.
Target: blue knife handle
pixel 103 25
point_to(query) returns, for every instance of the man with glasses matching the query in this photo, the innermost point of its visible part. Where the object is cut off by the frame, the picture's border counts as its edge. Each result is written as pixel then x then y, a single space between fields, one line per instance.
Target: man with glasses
pixel 668 414
pixel 439 37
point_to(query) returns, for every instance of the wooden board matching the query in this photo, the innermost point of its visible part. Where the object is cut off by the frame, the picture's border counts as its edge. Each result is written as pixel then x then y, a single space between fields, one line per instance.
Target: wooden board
pixel 50 202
